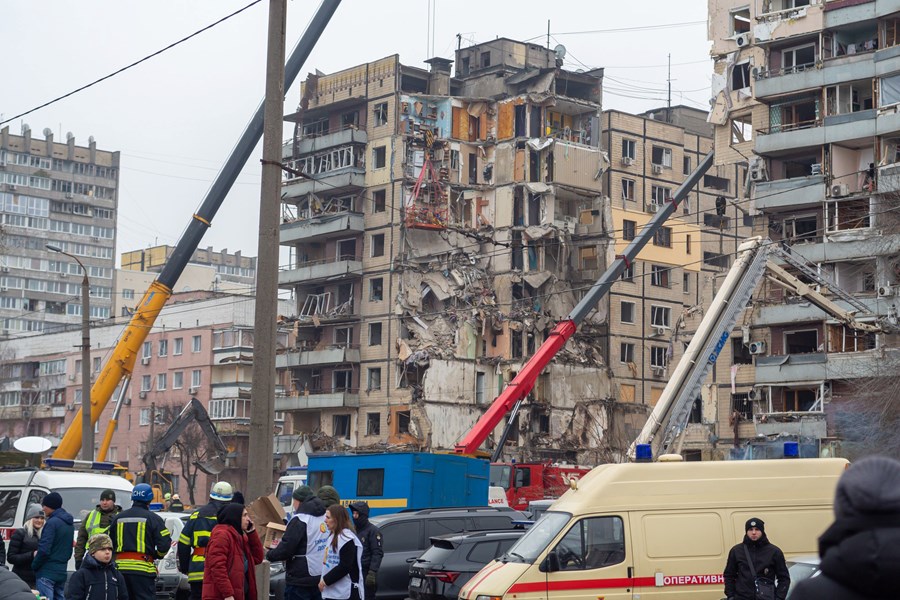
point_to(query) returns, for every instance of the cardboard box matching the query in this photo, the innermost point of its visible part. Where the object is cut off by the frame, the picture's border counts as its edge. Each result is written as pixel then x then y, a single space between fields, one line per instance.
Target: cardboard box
pixel 272 534
pixel 265 510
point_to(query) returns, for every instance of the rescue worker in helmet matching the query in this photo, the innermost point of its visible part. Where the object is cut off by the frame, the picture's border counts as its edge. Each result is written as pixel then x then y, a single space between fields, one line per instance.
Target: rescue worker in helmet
pixel 139 537
pixel 176 505
pixel 97 521
pixel 167 500
pixel 195 536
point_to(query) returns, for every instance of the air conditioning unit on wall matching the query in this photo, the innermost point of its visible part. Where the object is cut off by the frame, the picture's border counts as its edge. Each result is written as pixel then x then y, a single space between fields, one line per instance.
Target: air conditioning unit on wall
pixel 840 190
pixel 657 169
pixel 757 347
pixel 627 161
pixel 653 207
pixel 743 40
pixel 887 291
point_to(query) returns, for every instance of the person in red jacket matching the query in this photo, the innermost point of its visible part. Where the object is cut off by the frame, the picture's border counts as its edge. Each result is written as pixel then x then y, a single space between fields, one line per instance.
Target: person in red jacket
pixel 232 554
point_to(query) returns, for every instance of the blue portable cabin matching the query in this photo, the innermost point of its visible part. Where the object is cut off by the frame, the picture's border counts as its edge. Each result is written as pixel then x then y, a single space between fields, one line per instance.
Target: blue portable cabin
pixel 395 481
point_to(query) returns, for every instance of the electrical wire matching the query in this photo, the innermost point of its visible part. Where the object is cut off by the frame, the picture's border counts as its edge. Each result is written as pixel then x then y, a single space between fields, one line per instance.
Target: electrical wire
pixel 134 64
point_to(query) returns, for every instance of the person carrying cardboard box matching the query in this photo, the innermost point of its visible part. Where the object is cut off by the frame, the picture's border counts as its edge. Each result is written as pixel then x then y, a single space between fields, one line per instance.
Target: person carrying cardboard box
pixel 303 546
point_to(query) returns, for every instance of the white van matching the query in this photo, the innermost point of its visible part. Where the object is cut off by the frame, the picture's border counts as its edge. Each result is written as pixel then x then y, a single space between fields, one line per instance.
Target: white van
pixel 661 531
pixel 292 478
pixel 80 493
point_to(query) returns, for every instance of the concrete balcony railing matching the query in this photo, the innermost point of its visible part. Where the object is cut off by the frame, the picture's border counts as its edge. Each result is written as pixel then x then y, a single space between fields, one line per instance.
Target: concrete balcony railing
pixel 316 400
pixel 309 144
pixel 319 357
pixel 576 165
pixel 794 192
pixel 830 130
pixel 315 271
pixel 817 367
pixel 805 424
pixel 840 69
pixel 322 227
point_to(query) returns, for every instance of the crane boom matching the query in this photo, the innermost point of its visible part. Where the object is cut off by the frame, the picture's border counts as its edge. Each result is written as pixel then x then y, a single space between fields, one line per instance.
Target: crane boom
pixel 754 260
pixel 122 359
pixel 523 382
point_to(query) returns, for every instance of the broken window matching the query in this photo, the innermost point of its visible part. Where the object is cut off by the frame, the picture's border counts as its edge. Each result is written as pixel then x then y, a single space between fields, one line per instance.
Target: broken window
pixel 658 194
pixel 798 400
pixel 741 404
pixel 719 221
pixel 687 244
pixel 628 273
pixel 686 165
pixel 589 258
pixel 485 60
pixel 627 309
pixel 798 58
pixel 346 250
pixel 714 259
pixel 660 316
pixel 381 114
pixel 740 20
pixel 374 334
pixel 479 388
pixel 712 182
pixel 629 149
pixel 343 336
pixel 540 422
pixel 801 228
pixel 659 276
pixel 373 423
pixel 374 379
pixel 378 201
pixel 740 352
pixel 350 120
pixel 850 97
pixel 343 380
pixel 402 419
pixel 741 129
pixel 376 289
pixel 662 156
pixel 844 339
pixel 341 426
pixel 696 415
pixel 473 168
pixel 740 76
pixel 314 128
pixel 659 357
pixel 377 244
pixel 686 283
pixel 379 157
pixel 516 344
pixel 663 237
pixel 454 160
pixel 801 342
pixel 626 352
pixel 628 189
pixel 629 229
pixel 849 214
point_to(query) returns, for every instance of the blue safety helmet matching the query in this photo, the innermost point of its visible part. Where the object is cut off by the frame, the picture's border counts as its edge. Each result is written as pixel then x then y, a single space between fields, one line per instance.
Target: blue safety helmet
pixel 142 492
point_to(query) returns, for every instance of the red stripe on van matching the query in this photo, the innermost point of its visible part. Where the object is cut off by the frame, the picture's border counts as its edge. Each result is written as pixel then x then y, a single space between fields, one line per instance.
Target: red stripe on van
pixel 581 584
pixel 483 577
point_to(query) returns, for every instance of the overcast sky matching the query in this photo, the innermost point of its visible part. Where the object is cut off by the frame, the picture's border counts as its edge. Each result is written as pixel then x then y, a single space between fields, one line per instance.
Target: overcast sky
pixel 176 117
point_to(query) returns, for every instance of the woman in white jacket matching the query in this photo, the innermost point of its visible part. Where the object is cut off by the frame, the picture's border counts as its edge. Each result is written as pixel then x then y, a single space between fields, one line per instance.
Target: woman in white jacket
pixel 342 573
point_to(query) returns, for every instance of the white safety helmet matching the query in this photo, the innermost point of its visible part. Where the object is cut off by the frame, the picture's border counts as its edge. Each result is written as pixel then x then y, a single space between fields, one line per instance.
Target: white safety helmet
pixel 221 490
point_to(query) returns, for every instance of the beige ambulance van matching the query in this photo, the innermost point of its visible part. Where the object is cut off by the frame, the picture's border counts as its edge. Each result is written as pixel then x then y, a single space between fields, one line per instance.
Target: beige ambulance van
pixel 660 531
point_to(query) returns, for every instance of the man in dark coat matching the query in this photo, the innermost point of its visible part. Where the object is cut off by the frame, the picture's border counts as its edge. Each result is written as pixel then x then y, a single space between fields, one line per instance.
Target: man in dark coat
pixel 13 587
pixel 303 546
pixel 768 563
pixel 860 552
pixel 55 548
pixel 372 552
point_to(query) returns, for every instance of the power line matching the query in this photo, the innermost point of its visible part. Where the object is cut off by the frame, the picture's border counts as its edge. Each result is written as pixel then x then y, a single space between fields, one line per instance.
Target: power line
pixel 134 64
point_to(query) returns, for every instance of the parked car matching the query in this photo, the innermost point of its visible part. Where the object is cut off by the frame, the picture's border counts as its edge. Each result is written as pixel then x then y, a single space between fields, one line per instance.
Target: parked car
pixel 452 560
pixel 800 568
pixel 171 583
pixel 406 535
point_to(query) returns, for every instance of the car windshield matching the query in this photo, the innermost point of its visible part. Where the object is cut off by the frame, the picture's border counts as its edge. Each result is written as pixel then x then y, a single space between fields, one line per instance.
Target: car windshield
pixel 500 476
pixel 537 538
pixel 78 502
pixel 285 491
pixel 802 570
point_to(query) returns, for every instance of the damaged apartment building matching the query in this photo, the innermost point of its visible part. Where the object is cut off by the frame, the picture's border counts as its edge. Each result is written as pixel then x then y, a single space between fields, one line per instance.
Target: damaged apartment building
pixel 806 97
pixel 439 226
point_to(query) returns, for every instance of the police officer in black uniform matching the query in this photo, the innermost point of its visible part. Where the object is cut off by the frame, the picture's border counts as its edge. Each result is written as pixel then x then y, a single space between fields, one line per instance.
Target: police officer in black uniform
pixel 139 536
pixel 372 552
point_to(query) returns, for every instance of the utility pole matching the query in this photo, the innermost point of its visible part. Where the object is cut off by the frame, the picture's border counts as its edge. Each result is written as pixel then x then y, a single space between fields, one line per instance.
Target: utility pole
pixel 669 97
pixel 262 404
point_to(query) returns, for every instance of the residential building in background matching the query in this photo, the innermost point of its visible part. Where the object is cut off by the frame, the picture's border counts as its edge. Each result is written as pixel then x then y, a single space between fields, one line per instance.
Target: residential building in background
pixel 201 346
pixel 233 268
pixel 806 97
pixel 63 194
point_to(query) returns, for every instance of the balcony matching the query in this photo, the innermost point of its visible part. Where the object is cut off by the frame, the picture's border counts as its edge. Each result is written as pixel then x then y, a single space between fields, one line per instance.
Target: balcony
pixel 339 169
pixel 311 358
pixel 804 424
pixel 870 245
pixel 319 271
pixel 794 192
pixel 806 312
pixel 810 134
pixel 317 400
pixel 321 227
pixel 841 69
pixel 793 369
pixel 576 165
pixel 310 144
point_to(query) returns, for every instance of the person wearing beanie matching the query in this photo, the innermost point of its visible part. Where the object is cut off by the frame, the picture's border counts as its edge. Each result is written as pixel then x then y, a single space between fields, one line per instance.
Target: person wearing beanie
pixel 139 537
pixel 195 535
pixel 97 521
pixel 756 564
pixel 97 578
pixel 238 498
pixel 372 552
pixel 329 495
pixel 302 546
pixel 54 549
pixel 24 543
pixel 860 551
pixel 233 551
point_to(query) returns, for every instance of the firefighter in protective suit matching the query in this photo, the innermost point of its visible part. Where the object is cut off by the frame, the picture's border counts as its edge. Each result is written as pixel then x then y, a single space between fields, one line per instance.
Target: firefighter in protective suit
pixel 139 537
pixel 195 536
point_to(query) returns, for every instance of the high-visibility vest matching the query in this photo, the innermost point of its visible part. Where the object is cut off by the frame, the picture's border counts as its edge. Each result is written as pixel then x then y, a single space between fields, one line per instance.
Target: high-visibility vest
pixel 92 523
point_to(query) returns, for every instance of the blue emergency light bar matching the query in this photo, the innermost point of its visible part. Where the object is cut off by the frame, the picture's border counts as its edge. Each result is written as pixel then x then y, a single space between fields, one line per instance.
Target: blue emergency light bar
pixel 297 468
pixel 643 453
pixel 86 465
pixel 792 450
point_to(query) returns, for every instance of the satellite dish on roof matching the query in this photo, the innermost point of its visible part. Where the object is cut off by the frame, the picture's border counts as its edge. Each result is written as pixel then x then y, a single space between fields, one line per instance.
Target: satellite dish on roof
pixel 32 445
pixel 560 51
